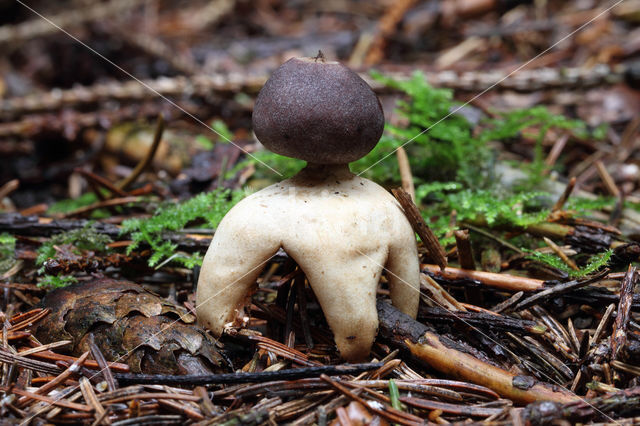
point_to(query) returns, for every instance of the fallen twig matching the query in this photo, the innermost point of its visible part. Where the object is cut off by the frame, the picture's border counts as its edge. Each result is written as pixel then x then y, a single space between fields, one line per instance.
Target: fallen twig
pixel 503 281
pixel 435 250
pixel 144 163
pixel 482 320
pixel 265 376
pixel 619 335
pixel 558 290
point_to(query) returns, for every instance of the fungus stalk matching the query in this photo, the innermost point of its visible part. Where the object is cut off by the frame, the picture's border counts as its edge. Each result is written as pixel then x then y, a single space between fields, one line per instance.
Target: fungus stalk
pixel 340 228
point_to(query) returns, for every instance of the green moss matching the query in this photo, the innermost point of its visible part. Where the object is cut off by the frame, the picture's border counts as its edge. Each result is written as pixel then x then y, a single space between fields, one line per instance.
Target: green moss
pixel 452 160
pixel 594 263
pixel 51 282
pixel 583 204
pixel 204 142
pixel 284 165
pixel 7 252
pixel 82 240
pixel 488 207
pixel 580 205
pixel 442 145
pixel 71 204
pixel 538 120
pixel 79 241
pixel 222 135
pixel 208 208
pixel 7 244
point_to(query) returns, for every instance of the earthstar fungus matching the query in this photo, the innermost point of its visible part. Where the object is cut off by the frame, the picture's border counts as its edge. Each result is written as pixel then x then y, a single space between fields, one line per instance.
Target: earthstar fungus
pixel 340 228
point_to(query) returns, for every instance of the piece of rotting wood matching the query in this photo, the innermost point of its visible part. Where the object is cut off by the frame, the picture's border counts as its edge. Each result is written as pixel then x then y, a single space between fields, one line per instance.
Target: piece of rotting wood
pixel 433 350
pixel 465 257
pixel 436 253
pixel 465 253
pixel 602 325
pixel 481 320
pixel 203 85
pixel 43 226
pixel 619 335
pixel 508 303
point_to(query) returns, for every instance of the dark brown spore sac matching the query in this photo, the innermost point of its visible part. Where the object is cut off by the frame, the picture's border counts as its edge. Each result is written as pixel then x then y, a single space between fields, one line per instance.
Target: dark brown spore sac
pixel 320 112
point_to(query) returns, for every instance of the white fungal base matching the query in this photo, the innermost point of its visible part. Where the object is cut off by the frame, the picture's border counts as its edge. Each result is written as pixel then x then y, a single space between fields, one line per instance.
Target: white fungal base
pixel 341 230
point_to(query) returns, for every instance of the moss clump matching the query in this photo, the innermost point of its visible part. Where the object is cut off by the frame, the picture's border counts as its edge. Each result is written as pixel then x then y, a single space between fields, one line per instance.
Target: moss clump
pixel 480 206
pixel 446 140
pixel 7 252
pixel 51 282
pixel 207 208
pixel 593 264
pixel 81 240
pixel 442 144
